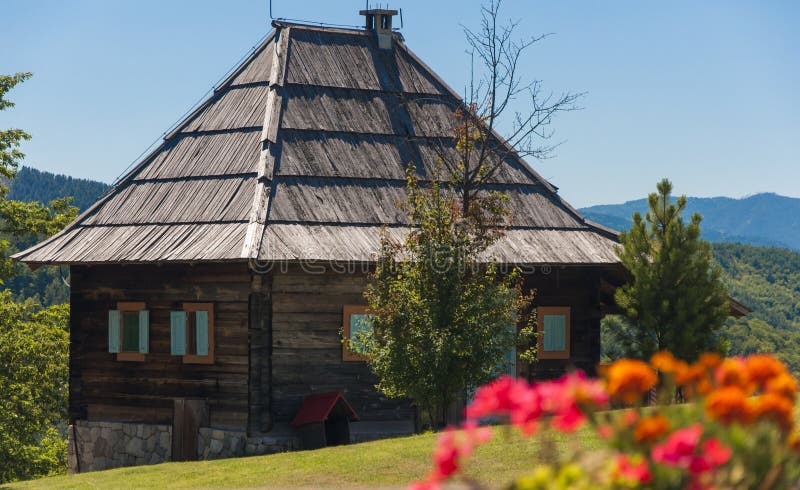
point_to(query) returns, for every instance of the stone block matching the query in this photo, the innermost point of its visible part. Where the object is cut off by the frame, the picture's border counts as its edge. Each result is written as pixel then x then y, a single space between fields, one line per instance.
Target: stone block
pixel 215 447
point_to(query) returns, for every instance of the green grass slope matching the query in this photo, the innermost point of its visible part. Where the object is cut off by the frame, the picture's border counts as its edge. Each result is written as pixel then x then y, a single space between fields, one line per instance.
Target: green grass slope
pixel 391 463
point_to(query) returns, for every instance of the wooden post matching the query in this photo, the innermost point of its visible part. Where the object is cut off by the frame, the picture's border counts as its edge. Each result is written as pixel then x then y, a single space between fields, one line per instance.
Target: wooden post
pixel 260 339
pixel 178 430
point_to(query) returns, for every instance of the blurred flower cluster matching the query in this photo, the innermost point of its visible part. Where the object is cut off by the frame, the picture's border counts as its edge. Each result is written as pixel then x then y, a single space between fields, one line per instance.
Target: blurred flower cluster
pixel 667 424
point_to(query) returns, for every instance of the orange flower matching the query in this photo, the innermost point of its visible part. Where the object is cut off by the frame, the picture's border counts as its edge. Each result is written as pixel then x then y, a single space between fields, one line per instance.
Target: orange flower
pixel 695 379
pixel 709 360
pixel 733 372
pixel 784 385
pixel 763 367
pixel 771 406
pixel 665 362
pixel 650 429
pixel 728 404
pixel 629 379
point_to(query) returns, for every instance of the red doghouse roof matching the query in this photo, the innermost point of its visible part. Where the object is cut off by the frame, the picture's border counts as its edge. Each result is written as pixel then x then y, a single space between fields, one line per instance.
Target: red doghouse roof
pixel 317 408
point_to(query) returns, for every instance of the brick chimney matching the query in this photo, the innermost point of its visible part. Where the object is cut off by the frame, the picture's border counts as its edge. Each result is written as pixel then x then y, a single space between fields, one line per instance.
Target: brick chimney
pixel 380 22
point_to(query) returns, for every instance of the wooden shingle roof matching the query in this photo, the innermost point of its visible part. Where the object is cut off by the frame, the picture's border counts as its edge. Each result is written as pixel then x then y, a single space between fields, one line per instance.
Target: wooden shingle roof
pixel 300 155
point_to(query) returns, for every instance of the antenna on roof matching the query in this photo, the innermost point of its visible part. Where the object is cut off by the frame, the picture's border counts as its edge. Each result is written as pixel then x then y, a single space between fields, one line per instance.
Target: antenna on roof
pixel 401 18
pixel 270 11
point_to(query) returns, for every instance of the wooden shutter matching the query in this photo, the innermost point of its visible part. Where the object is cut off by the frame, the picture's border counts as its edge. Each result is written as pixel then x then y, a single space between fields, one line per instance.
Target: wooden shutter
pixel 177 333
pixel 144 331
pixel 555 332
pixel 201 332
pixel 113 331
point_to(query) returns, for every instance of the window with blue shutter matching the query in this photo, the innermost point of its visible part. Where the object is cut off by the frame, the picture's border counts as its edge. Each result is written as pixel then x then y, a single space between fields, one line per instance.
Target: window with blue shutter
pixel 554 332
pixel 355 321
pixel 201 332
pixel 177 330
pixel 113 331
pixel 144 331
pixel 195 340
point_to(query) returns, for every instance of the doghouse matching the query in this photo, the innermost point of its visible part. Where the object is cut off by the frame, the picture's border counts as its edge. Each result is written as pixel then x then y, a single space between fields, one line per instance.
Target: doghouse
pixel 324 420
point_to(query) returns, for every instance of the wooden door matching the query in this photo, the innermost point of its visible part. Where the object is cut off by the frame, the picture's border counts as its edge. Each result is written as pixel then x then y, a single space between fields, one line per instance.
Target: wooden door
pixel 188 416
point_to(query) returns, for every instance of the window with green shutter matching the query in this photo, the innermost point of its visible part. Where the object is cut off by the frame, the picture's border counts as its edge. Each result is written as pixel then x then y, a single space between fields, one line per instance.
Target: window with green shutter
pixel 129 331
pixel 554 332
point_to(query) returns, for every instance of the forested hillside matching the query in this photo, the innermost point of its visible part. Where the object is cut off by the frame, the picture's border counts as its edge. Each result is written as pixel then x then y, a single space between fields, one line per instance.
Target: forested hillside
pixel 767 279
pixel 762 219
pixel 35 185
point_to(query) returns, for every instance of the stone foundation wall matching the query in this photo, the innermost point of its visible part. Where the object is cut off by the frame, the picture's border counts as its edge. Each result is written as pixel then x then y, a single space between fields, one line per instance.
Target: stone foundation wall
pixel 94 446
pixel 217 443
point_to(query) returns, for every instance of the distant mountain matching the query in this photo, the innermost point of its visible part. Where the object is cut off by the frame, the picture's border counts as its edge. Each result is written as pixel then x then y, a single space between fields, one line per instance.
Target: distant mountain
pixel 36 185
pixel 762 219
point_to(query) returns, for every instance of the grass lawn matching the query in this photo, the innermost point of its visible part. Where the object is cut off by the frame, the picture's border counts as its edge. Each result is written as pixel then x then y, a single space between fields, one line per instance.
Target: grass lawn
pixel 391 463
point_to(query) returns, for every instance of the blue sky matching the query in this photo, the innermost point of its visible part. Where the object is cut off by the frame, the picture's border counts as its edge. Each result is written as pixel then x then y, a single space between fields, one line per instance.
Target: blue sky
pixel 705 93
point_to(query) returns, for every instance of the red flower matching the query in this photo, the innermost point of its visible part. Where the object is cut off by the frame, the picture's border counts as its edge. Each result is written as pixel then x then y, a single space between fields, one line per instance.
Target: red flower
pixel 569 419
pixel 679 448
pixel 630 472
pixel 682 450
pixel 425 485
pixel 715 453
pixel 445 457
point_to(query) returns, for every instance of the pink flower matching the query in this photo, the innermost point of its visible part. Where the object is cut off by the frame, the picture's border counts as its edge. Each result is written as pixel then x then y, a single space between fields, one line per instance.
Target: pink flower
pixel 682 449
pixel 452 446
pixel 445 457
pixel 566 397
pixel 715 453
pixel 524 404
pixel 569 419
pixel 425 485
pixel 627 470
pixel 605 431
pixel 679 448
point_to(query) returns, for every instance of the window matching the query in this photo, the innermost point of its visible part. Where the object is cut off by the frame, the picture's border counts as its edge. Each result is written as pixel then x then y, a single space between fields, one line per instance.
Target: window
pixel 554 330
pixel 192 333
pixel 354 319
pixel 129 331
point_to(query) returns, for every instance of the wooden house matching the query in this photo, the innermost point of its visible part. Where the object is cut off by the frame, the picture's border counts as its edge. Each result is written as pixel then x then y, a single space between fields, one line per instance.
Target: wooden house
pixel 210 285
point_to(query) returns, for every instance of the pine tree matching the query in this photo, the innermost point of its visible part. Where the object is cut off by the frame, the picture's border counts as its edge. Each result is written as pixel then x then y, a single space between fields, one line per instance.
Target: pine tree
pixel 676 300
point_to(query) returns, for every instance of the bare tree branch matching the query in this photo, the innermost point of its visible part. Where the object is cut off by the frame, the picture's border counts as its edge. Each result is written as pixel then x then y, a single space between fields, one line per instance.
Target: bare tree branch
pixel 498 96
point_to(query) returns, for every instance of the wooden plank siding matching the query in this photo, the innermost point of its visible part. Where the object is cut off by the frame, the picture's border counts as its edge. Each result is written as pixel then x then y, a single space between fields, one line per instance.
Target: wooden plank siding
pixel 579 289
pixel 102 388
pixel 307 349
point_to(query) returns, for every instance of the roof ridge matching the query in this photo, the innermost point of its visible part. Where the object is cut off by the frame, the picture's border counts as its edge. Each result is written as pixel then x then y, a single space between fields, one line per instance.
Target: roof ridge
pixel 322 27
pixel 267 158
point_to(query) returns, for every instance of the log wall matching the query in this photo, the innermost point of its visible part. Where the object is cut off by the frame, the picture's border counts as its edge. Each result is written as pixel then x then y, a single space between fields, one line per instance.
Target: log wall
pixel 102 388
pixel 307 348
pixel 578 288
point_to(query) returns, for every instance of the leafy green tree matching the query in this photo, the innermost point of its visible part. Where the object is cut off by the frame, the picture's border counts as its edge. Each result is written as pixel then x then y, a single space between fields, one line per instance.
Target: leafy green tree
pixel 33 341
pixel 19 218
pixel 442 322
pixel 34 347
pixel 676 299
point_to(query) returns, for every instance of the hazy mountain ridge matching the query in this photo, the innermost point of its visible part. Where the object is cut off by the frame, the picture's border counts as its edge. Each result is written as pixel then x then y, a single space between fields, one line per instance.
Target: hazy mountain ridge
pixel 765 219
